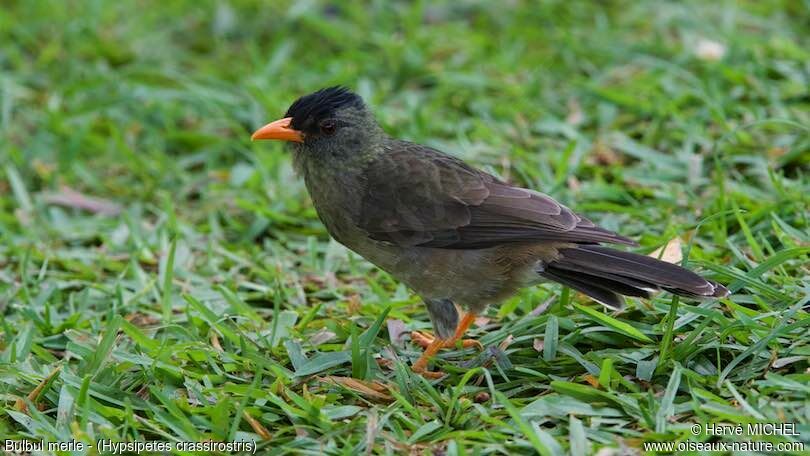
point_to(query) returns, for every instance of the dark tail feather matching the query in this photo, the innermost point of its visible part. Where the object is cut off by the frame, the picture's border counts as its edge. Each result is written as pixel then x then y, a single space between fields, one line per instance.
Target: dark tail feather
pixel 603 274
pixel 586 285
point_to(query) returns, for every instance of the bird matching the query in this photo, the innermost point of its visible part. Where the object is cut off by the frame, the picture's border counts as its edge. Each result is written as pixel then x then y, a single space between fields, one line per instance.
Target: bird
pixel 459 237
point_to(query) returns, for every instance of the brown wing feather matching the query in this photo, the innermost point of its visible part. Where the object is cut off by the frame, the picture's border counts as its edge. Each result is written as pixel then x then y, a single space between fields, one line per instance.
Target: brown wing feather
pixel 418 196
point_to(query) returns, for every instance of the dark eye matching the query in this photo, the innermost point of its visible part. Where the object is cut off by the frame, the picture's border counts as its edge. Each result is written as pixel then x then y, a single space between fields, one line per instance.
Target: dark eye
pixel 328 127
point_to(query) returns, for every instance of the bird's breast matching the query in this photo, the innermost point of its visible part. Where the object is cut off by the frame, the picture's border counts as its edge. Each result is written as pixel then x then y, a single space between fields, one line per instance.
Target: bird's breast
pixel 335 197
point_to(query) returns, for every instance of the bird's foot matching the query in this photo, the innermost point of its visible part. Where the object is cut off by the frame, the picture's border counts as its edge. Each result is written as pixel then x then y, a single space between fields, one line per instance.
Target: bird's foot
pixel 424 339
pixel 432 345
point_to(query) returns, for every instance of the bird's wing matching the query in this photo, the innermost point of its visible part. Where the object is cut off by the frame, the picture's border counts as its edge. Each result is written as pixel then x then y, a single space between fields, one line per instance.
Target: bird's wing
pixel 418 196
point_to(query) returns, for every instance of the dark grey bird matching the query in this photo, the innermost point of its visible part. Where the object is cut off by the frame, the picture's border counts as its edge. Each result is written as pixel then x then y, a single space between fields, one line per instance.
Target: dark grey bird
pixel 454 234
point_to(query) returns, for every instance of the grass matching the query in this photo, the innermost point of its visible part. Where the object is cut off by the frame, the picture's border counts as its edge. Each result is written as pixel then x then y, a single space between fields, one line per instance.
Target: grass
pixel 162 278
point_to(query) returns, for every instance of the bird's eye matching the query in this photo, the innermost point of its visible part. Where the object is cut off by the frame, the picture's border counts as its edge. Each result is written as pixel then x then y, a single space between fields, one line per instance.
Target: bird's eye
pixel 328 127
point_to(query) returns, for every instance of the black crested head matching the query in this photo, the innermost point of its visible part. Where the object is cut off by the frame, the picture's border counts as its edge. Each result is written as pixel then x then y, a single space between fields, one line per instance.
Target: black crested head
pixel 308 109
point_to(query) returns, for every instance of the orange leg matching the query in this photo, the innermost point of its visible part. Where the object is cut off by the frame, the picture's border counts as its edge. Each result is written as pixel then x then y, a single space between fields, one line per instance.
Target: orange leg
pixel 433 345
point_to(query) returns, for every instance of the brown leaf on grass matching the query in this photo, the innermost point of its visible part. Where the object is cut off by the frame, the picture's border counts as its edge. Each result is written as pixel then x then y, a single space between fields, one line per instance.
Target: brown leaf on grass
pixel 538 344
pixel 776 153
pixel 374 390
pixel 386 363
pixel 215 342
pixel 142 320
pixel 671 252
pixel 603 154
pixel 354 305
pixel 593 381
pixel 506 342
pixel 256 426
pixel 20 405
pixel 386 358
pixel 71 198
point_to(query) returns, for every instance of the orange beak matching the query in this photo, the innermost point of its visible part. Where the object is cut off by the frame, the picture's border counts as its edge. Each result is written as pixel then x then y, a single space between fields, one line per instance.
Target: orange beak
pixel 279 129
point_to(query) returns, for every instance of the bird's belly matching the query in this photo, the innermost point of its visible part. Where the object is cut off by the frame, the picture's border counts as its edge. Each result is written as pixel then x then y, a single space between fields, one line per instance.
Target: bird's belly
pixel 470 278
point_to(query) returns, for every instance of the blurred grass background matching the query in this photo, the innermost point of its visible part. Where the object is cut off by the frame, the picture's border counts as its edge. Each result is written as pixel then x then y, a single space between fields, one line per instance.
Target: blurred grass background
pixel 163 278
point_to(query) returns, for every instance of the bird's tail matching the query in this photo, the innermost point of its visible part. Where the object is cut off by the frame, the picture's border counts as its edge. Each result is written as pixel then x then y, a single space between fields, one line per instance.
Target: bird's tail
pixel 604 273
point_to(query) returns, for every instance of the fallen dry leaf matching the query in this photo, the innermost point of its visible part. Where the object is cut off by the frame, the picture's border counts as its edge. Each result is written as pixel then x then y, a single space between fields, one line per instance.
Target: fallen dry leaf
pixel 506 342
pixel 215 342
pixel 375 390
pixel 142 320
pixel 671 252
pixel 353 306
pixel 20 405
pixel 775 153
pixel 71 198
pixel 256 426
pixel 593 381
pixel 603 154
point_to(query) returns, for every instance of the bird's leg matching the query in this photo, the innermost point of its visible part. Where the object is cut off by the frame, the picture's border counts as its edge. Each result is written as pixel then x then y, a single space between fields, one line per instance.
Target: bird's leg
pixel 462 328
pixel 420 366
pixel 433 344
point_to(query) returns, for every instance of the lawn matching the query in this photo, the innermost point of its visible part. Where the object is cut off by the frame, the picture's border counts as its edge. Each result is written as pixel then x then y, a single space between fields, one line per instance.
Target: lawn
pixel 162 278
